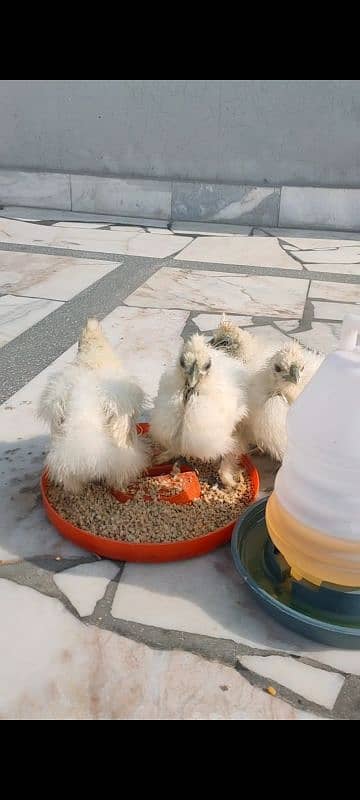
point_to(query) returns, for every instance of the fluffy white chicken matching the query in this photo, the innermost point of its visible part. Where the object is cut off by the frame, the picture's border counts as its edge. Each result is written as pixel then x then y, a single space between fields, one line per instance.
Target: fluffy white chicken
pixel 199 408
pixel 272 390
pixel 239 343
pixel 91 408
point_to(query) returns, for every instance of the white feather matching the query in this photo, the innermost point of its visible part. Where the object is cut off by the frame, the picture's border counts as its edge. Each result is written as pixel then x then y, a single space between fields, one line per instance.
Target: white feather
pixel 271 394
pixel 203 426
pixel 91 408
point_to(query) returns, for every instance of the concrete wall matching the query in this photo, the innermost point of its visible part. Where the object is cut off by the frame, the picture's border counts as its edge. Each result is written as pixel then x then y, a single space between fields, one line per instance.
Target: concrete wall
pixel 257 132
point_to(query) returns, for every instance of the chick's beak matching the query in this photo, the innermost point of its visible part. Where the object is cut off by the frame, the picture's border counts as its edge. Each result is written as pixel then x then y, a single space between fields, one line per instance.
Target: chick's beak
pixel 294 374
pixel 193 376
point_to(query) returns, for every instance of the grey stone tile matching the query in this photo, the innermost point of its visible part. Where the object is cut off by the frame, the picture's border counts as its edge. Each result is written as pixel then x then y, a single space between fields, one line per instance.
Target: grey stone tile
pixel 131 197
pixel 211 202
pixel 54 215
pixel 320 207
pixel 210 229
pixel 298 236
pixel 43 189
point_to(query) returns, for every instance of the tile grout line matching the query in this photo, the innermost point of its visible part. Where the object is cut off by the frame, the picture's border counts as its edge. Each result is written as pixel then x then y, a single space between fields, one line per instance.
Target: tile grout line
pixel 169 263
pixel 32 351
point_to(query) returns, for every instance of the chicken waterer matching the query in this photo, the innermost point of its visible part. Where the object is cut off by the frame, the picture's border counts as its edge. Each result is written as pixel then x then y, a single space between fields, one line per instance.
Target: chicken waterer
pixel 300 550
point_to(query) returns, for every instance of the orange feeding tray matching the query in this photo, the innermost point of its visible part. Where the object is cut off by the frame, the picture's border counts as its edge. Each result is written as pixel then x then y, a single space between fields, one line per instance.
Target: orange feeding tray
pixel 125 551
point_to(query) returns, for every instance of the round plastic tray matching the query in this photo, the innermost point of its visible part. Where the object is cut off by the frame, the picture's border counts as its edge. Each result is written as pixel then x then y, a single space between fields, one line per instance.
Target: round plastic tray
pixel 124 551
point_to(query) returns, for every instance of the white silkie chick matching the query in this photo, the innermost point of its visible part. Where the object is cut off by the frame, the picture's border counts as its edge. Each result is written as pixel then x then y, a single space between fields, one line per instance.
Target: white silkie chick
pixel 272 390
pixel 199 407
pixel 239 343
pixel 91 408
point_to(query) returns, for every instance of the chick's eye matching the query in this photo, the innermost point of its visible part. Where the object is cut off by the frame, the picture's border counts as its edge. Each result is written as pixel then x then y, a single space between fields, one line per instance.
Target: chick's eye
pixel 182 361
pixel 207 366
pixel 277 368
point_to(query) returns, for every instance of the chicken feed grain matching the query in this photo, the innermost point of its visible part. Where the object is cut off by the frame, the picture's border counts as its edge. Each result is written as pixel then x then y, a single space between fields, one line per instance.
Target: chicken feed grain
pixel 139 521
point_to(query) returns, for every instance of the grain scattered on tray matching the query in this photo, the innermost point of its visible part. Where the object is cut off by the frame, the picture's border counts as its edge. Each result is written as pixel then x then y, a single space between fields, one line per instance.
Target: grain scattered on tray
pixel 139 521
pixel 150 487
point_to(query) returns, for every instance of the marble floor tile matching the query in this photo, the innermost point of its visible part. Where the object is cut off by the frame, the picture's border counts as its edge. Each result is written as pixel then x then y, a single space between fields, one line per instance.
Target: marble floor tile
pixel 269 335
pixel 316 685
pixel 86 584
pixel 128 242
pixel 208 322
pixel 343 292
pixel 157 231
pixel 222 292
pixel 210 229
pixel 148 341
pixel 323 336
pixel 53 215
pixel 207 596
pixel 244 251
pixel 24 529
pixel 203 595
pixel 51 277
pixel 333 311
pixel 323 245
pixel 340 255
pixel 81 225
pixel 145 222
pixel 53 667
pixel 311 239
pixel 340 269
pixel 17 314
pixel 134 230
